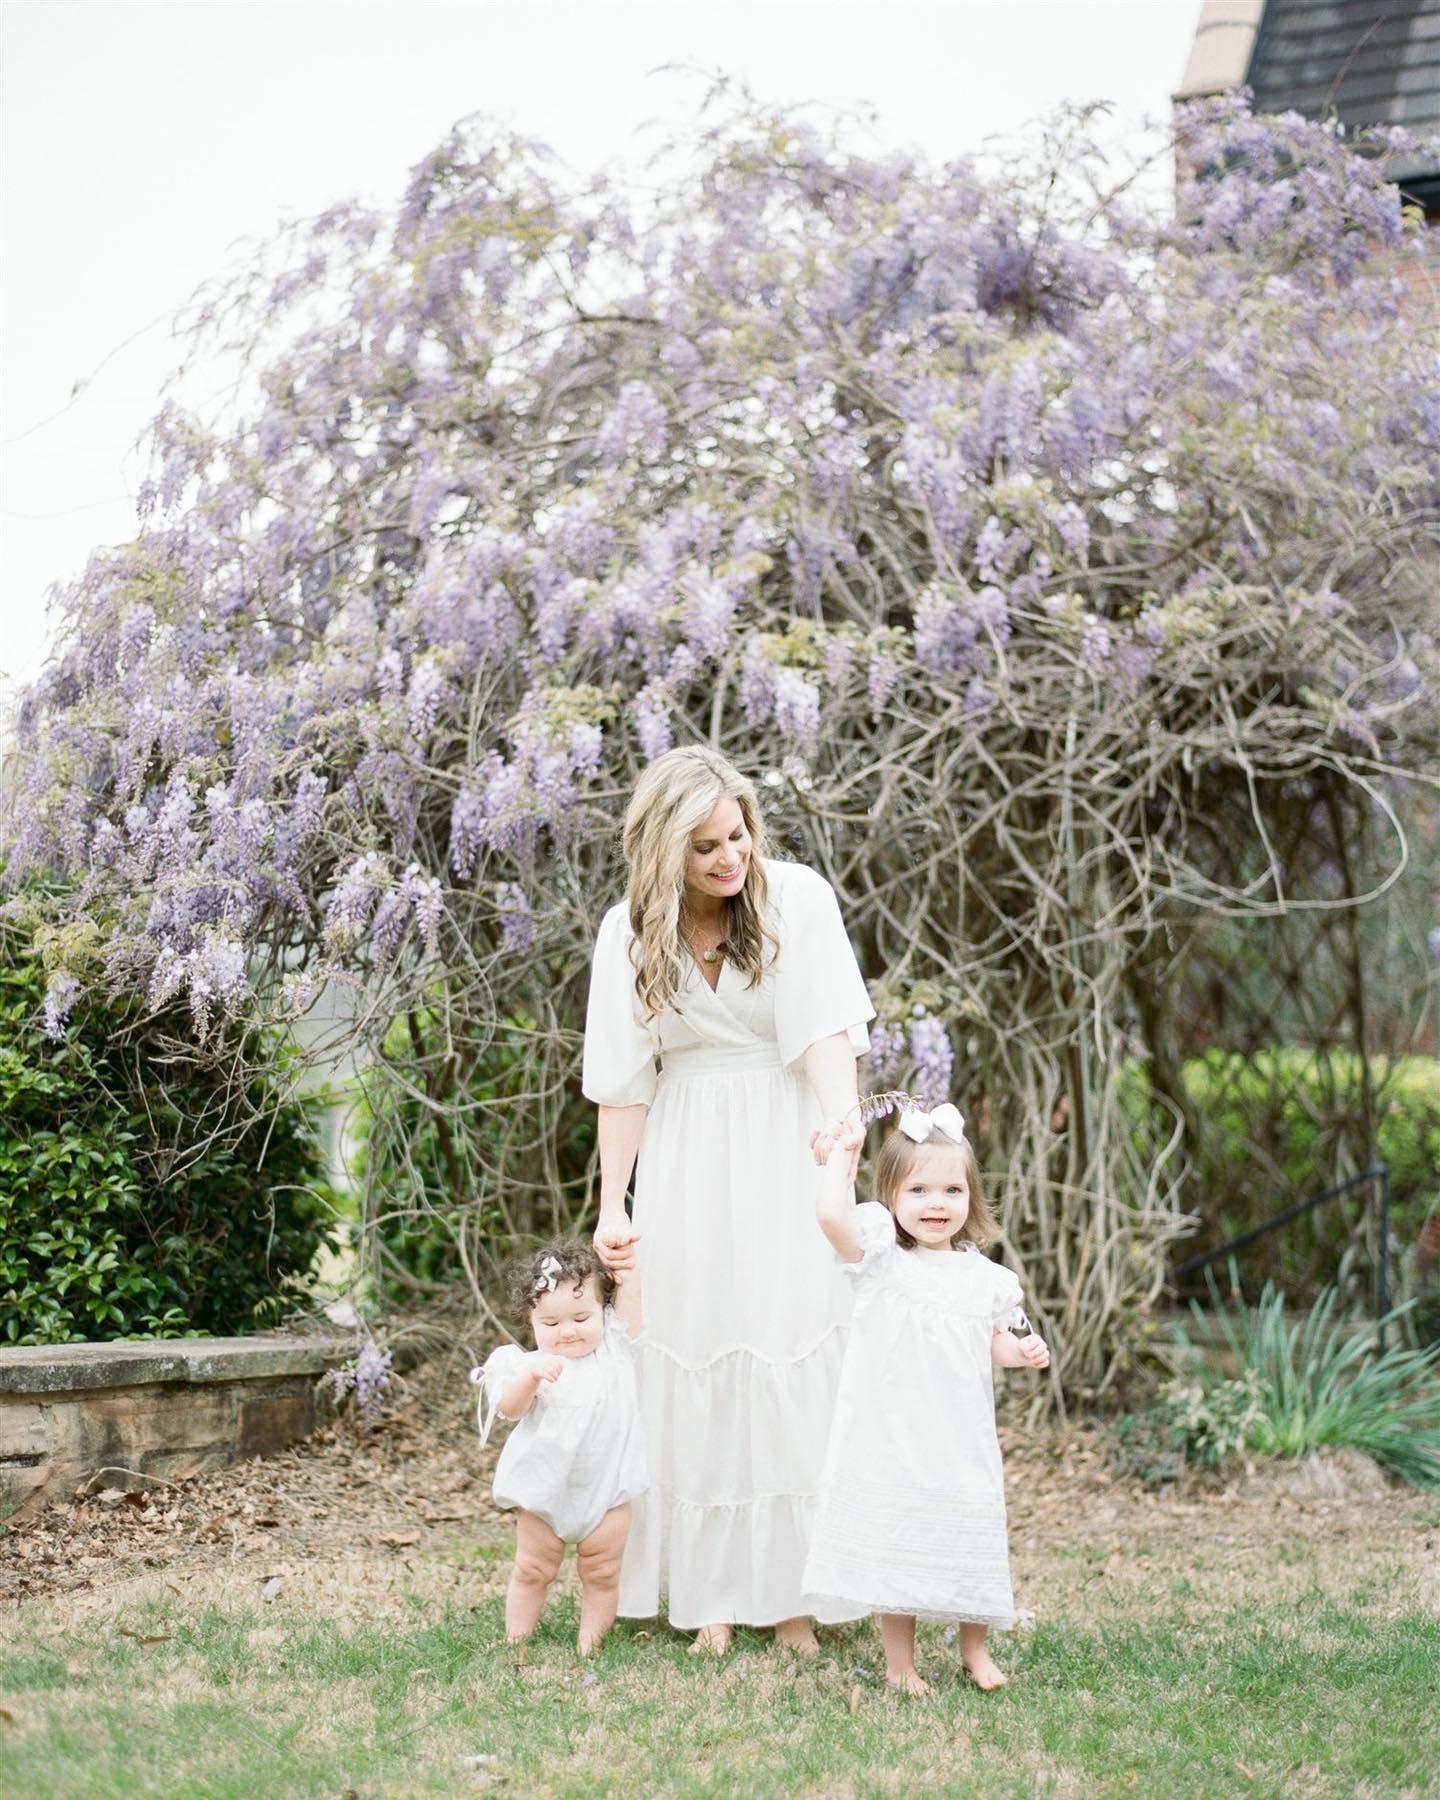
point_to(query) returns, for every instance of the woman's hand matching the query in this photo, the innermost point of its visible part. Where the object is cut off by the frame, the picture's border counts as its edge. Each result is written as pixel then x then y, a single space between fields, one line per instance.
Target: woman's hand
pixel 614 1242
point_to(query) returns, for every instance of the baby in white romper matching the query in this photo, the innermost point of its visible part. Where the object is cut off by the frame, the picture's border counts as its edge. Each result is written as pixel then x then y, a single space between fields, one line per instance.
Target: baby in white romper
pixel 576 1458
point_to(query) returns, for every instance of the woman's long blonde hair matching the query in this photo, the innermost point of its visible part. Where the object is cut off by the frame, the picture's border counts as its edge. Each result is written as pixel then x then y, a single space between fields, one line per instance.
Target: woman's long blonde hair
pixel 673 798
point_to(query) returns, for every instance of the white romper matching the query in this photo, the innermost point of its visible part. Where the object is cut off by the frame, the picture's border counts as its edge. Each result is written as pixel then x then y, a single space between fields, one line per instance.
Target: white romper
pixel 580 1450
pixel 911 1513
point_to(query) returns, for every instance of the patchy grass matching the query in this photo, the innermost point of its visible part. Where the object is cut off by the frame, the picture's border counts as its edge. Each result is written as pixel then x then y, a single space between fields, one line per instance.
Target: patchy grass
pixel 1320 1696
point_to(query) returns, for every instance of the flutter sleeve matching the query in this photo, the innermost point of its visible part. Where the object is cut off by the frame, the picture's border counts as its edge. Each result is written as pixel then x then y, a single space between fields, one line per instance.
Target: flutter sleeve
pixel 876 1225
pixel 819 990
pixel 501 1366
pixel 620 1047
pixel 1007 1308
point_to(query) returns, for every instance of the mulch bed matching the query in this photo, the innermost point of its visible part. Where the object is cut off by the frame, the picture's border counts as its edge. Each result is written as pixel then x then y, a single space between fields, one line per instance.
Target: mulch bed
pixel 416 1487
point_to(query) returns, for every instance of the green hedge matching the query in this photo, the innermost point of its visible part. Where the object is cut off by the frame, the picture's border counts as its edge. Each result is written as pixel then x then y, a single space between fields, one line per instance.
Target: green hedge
pixel 1274 1099
pixel 120 1215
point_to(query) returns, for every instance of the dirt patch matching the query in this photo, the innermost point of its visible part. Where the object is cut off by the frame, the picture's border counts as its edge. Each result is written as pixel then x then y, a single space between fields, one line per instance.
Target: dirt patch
pixel 353 1521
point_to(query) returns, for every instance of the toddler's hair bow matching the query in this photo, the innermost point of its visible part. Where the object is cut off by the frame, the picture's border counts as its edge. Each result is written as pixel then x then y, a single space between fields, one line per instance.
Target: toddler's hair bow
pixel 919 1125
pixel 549 1275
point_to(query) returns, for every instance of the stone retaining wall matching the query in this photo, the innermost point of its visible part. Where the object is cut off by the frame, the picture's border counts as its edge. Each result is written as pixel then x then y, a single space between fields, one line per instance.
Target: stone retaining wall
pixel 71 1412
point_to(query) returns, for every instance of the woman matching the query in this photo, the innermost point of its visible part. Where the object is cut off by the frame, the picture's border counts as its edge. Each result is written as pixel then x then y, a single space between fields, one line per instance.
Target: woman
pixel 735 972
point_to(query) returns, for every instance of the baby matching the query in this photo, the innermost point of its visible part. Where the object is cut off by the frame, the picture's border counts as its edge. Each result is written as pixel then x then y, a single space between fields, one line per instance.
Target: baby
pixel 576 1459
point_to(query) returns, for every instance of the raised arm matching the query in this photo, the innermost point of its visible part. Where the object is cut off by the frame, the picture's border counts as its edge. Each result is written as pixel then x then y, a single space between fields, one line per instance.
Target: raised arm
pixel 627 1305
pixel 835 1203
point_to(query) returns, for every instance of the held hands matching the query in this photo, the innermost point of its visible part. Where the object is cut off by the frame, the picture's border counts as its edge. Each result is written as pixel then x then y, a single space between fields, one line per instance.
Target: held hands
pixel 615 1243
pixel 845 1137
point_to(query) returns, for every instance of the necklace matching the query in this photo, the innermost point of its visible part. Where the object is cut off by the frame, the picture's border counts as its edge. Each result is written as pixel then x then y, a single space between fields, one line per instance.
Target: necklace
pixel 708 953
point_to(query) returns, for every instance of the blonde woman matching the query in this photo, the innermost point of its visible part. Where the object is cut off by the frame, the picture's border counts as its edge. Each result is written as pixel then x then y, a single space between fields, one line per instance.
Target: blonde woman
pixel 733 973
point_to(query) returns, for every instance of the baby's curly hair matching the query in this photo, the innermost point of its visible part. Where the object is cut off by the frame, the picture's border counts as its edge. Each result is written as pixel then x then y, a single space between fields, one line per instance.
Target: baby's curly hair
pixel 578 1263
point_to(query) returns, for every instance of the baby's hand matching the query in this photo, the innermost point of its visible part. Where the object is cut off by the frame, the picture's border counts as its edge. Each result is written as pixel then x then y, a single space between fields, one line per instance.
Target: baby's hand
pixel 1034 1351
pixel 545 1367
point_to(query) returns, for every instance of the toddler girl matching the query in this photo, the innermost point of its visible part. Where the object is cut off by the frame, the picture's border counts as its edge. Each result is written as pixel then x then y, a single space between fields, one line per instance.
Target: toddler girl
pixel 576 1459
pixel 910 1519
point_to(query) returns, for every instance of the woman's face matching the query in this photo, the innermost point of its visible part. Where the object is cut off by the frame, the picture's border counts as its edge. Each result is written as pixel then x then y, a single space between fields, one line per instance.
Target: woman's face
pixel 719 855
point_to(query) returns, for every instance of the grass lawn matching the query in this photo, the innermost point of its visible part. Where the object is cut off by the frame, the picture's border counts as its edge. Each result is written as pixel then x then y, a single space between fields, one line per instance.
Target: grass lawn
pixel 328 1623
pixel 1319 1695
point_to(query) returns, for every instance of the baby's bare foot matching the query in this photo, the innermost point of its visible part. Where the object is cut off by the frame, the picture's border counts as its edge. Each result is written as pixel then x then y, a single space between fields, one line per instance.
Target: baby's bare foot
pixel 590 1642
pixel 797 1635
pixel 908 1682
pixel 983 1670
pixel 711 1640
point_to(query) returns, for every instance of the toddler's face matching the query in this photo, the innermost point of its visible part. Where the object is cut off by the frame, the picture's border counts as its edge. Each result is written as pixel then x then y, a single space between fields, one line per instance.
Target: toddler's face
pixel 934 1198
pixel 568 1320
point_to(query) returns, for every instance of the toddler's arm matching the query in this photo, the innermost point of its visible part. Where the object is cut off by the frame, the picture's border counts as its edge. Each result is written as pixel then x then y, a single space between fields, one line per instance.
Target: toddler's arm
pixel 627 1301
pixel 518 1394
pixel 835 1204
pixel 1009 1352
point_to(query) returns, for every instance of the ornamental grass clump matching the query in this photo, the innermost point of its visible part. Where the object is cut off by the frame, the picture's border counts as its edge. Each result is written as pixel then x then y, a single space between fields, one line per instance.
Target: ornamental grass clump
pixel 1031 549
pixel 1320 1384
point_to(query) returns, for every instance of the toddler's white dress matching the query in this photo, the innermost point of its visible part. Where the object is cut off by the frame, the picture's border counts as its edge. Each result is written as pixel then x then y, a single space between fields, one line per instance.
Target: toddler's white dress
pixel 745 1308
pixel 911 1514
pixel 581 1448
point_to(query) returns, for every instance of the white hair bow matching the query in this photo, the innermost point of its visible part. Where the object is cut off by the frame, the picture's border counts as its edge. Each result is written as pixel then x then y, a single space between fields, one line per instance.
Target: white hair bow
pixel 549 1275
pixel 946 1119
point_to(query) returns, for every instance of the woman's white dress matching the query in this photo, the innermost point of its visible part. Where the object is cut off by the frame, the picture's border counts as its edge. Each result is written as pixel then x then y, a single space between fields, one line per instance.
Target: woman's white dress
pixel 745 1307
pixel 911 1516
pixel 580 1449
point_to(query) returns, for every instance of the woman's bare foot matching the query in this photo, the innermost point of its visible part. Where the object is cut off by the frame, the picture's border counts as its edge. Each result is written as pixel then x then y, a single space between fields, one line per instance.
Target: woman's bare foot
pixel 908 1682
pixel 712 1640
pixel 797 1635
pixel 982 1669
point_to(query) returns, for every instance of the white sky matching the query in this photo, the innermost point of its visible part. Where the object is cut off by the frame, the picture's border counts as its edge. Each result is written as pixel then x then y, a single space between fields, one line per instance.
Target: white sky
pixel 142 140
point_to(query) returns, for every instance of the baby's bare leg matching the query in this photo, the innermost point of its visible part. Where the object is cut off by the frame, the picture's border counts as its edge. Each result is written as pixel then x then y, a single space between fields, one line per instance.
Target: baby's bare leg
pixel 538 1556
pixel 599 1558
pixel 984 1671
pixel 897 1634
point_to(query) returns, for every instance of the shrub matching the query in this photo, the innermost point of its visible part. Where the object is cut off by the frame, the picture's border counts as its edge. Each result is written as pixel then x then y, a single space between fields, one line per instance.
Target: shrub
pixel 1193 1424
pixel 138 1200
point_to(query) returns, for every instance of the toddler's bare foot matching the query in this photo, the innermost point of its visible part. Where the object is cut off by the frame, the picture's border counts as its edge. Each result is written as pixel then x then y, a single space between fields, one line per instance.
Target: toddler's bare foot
pixel 711 1640
pixel 908 1682
pixel 982 1669
pixel 797 1635
pixel 590 1642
